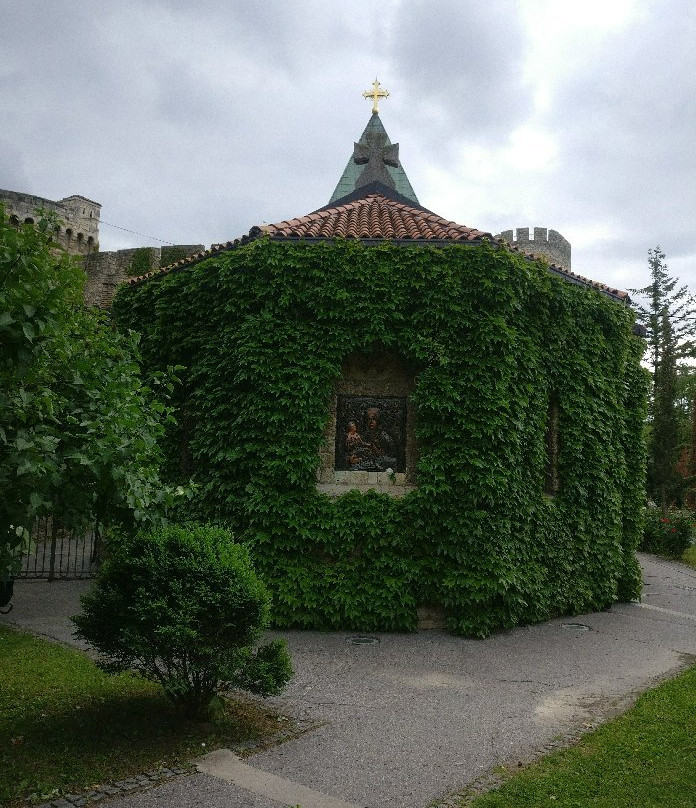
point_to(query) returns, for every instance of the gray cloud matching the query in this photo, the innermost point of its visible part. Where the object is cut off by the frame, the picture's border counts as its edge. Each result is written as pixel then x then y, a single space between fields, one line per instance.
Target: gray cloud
pixel 627 127
pixel 193 123
pixel 462 64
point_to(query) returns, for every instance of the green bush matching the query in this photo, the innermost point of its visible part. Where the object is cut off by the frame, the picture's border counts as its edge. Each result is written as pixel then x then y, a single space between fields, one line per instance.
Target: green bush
pixel 668 535
pixel 184 607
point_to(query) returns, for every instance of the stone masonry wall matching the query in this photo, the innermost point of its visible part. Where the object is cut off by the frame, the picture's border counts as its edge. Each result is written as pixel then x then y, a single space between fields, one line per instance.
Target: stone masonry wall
pixel 546 243
pixel 107 270
pixel 78 232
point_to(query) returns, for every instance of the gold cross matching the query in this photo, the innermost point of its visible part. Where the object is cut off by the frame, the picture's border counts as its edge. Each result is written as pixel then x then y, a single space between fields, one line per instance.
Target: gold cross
pixel 375 94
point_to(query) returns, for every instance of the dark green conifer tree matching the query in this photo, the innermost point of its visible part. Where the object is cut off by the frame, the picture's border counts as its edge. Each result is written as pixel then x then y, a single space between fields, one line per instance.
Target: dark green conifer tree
pixel 669 315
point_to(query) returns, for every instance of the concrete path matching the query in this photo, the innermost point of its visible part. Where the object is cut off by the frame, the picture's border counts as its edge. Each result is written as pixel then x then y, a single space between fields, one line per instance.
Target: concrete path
pixel 410 718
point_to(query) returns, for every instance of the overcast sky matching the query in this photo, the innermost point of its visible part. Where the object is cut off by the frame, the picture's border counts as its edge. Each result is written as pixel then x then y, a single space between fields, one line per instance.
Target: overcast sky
pixel 190 122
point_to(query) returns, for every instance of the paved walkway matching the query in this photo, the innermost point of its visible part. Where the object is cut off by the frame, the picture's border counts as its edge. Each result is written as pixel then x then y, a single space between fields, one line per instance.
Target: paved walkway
pixel 411 718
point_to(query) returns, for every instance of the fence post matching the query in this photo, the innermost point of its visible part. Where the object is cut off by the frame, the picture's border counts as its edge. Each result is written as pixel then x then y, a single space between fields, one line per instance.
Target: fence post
pixel 54 542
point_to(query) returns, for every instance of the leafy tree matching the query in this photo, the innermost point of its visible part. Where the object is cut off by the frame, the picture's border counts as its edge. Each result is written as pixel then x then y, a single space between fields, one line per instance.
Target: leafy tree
pixel 39 290
pixel 78 428
pixel 184 608
pixel 668 315
pixel 667 536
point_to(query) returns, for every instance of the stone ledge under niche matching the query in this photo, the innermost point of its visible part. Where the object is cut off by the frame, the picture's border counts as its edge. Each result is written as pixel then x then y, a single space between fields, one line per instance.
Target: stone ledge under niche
pixel 383 482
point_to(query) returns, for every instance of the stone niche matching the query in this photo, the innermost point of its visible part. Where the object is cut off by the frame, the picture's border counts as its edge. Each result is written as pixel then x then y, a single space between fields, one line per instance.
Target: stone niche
pixel 369 440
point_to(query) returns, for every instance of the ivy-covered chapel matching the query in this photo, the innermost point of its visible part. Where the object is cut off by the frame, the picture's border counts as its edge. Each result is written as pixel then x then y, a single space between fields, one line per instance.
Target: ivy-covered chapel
pixel 403 416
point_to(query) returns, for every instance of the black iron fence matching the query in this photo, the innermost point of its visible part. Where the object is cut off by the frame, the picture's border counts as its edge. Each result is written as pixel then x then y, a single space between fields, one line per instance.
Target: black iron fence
pixel 59 553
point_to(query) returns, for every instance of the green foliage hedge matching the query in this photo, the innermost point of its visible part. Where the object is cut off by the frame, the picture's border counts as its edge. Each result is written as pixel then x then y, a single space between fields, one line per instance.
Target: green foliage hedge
pixel 667 535
pixel 263 331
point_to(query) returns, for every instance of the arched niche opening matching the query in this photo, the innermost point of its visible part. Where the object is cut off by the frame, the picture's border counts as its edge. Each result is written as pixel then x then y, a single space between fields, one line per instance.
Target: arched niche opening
pixel 369 439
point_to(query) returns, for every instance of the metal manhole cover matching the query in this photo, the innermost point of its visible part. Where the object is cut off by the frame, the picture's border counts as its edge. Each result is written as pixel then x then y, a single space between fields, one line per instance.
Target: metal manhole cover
pixel 363 640
pixel 578 627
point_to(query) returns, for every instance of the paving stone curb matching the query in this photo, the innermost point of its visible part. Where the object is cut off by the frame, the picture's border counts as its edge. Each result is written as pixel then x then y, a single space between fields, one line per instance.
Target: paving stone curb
pixel 129 785
pixel 142 782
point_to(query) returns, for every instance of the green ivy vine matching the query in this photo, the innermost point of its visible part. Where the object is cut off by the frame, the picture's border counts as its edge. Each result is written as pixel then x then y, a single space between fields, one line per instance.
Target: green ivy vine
pixel 170 255
pixel 262 331
pixel 140 263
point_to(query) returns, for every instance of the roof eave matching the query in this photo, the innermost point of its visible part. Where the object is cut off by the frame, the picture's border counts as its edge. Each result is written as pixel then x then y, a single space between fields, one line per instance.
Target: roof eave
pixel 256 232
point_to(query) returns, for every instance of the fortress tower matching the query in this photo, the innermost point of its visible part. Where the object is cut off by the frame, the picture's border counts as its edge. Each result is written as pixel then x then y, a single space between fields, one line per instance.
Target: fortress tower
pixel 78 233
pixel 79 229
pixel 548 244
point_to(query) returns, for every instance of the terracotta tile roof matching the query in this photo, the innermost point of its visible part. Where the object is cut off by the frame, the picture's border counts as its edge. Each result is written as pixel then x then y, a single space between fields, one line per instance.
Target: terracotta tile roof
pixel 374 217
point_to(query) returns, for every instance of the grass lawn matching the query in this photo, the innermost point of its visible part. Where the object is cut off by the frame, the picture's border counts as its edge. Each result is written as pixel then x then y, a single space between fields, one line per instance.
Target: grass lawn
pixel 643 759
pixel 689 556
pixel 66 726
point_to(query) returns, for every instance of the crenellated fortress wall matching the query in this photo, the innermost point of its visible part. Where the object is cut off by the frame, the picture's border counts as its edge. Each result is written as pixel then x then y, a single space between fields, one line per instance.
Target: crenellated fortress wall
pixel 79 228
pixel 107 270
pixel 78 233
pixel 548 244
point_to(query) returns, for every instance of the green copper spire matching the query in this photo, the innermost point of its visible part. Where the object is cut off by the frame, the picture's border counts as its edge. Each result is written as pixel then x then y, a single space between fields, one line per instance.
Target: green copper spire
pixel 375 159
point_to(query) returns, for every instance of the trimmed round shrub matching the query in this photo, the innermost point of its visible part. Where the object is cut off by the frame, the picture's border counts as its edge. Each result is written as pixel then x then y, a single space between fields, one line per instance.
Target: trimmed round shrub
pixel 185 608
pixel 667 535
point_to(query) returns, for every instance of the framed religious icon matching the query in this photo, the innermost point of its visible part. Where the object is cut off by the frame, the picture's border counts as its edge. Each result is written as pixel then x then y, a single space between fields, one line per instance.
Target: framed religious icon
pixel 370 434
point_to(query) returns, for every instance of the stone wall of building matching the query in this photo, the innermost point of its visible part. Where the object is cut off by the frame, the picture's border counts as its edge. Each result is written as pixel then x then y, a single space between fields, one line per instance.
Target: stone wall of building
pixel 548 244
pixel 107 270
pixel 78 231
